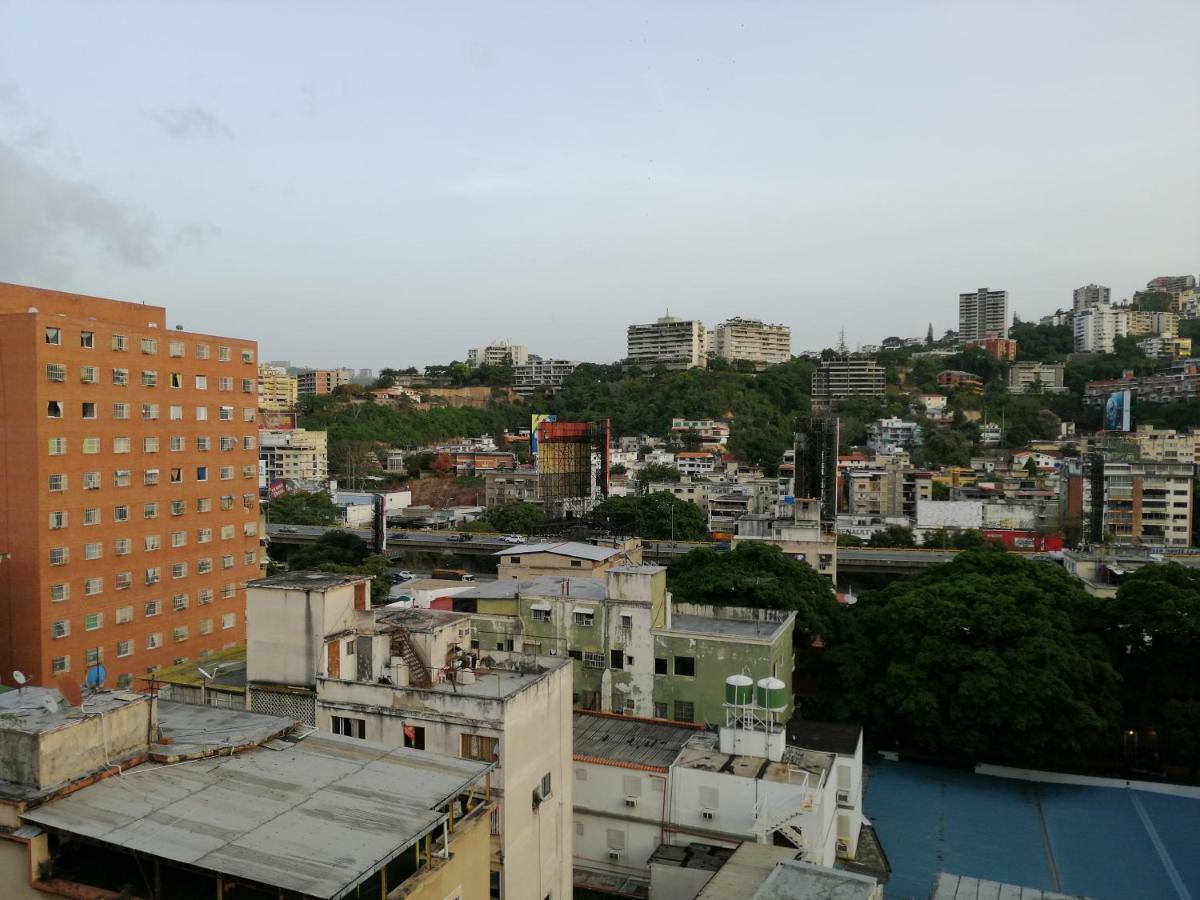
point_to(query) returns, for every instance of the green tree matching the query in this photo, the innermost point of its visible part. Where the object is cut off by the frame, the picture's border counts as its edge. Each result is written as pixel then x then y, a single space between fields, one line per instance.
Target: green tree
pixel 521 518
pixel 945 447
pixel 302 508
pixel 657 516
pixel 893 536
pixel 761 576
pixel 850 540
pixel 341 551
pixel 984 658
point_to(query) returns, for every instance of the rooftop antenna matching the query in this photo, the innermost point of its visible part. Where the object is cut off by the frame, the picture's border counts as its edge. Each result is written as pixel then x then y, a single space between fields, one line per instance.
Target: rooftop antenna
pixel 50 703
pixel 20 679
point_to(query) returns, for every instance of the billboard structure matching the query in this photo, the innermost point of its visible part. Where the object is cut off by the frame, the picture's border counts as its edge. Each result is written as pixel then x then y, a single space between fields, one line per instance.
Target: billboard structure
pixel 1118 408
pixel 568 480
pixel 534 421
pixel 816 463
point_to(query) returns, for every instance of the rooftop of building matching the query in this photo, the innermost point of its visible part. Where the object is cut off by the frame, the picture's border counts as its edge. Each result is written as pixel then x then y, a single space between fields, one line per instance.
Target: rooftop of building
pixel 315 815
pixel 581 588
pixel 497 675
pixel 960 887
pixel 416 619
pixel 764 872
pixel 831 737
pixel 574 549
pixel 227 668
pixel 40 710
pixel 707 857
pixel 629 742
pixel 799 767
pixel 303 580
pixel 756 629
pixel 1081 840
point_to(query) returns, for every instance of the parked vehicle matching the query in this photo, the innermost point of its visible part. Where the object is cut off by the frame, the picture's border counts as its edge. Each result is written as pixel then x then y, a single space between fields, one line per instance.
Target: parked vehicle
pixel 513 539
pixel 461 536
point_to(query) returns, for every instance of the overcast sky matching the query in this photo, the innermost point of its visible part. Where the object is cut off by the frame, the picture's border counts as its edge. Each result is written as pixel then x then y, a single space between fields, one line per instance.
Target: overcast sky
pixel 372 184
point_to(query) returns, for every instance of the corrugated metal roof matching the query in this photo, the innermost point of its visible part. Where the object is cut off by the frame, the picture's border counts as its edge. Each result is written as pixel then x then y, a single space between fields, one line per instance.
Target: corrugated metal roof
pixel 564 548
pixel 627 740
pixel 317 818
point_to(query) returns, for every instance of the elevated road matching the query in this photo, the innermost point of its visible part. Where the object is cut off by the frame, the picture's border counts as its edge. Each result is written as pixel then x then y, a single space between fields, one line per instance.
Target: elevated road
pixel 851 560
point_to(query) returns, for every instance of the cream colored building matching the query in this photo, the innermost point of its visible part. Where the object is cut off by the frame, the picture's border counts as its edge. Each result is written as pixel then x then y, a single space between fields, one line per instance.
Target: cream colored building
pixel 321 381
pixel 276 389
pixel 1166 347
pixel 410 678
pixel 292 454
pixel 565 558
pixel 750 340
pixel 1164 444
pixel 670 342
pixel 1140 322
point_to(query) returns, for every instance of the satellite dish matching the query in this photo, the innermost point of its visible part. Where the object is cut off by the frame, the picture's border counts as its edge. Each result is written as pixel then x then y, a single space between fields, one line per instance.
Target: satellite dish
pixel 203 671
pixel 50 703
pixel 19 677
pixel 70 691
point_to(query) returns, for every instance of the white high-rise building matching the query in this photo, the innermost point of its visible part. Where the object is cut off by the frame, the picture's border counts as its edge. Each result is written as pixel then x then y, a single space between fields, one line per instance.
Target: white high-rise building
pixel 498 353
pixel 1091 295
pixel 1097 326
pixel 752 341
pixel 982 314
pixel 670 342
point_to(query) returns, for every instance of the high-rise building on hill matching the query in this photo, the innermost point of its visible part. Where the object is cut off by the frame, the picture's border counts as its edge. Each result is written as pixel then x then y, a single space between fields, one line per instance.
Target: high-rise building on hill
pixel 749 340
pixel 982 314
pixel 669 342
pixel 130 520
pixel 1091 295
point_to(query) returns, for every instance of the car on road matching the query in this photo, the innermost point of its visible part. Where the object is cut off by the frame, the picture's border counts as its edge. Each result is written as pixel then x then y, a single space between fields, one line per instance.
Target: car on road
pixel 401 576
pixel 513 539
pixel 287 529
pixel 461 536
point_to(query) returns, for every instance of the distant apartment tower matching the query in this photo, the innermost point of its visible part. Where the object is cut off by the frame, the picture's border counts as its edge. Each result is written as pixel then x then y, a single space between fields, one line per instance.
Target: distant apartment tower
pixel 982 314
pixel 130 521
pixel 842 377
pixel 1096 328
pixel 276 389
pixel 670 342
pixel 749 340
pixel 1091 295
pixel 1148 503
pixel 293 454
pixel 321 381
pixel 1036 378
pixel 498 353
pixel 541 377
pixel 1172 284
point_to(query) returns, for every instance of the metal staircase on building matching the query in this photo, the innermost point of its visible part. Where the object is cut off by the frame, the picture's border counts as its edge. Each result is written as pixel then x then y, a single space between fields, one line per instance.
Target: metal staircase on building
pixel 418 672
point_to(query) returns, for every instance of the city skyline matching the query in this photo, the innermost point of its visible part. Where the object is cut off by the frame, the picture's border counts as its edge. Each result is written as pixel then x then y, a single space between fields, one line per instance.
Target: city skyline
pixel 555 176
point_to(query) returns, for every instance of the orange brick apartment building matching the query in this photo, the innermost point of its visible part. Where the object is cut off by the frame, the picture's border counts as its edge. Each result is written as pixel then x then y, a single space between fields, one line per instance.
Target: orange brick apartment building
pixel 129 519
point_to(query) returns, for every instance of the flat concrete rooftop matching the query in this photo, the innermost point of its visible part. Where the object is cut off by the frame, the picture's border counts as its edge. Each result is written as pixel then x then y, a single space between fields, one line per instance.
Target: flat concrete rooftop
pixel 713 626
pixel 306 581
pixel 24 710
pixel 799 767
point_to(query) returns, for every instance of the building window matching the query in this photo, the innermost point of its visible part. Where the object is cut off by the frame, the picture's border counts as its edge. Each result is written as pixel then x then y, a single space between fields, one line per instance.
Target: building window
pixel 660 710
pixel 149 411
pixel 121 513
pixel 175 349
pixel 247 356
pixel 124 580
pixel 93 586
pixel 57 446
pixel 153 575
pixel 249 413
pixel 60 592
pixel 59 556
pixel 685 711
pixel 89 374
pixel 202 473
pixel 477 746
pixel 203 535
pixel 58 519
pixel 87 410
pixel 179 634
pixel 154 641
pixel 348 727
pixel 224 383
pixel 150 477
pixel 204 504
pixel 175 379
pixel 121 445
pixel 224 354
pixel 175 413
pixel 228 620
pixel 87 339
pixel 54 336
pixel 120 410
pixel 616 659
pixel 593 660
pixel 178 443
pixel 584 618
pixel 124 648
pixel 685 666
pixel 120 377
pixel 227 473
pixel 541 614
pixel 93 621
pixel 60 629
pixel 149 346
pixel 92 551
pixel 56 372
pixel 178 538
pixel 179 602
pixel 206 626
pixel 226 413
pixel 91 481
pixel 149 378
pixel 119 342
pixel 54 409
pixel 179 570
pixel 122 477
pixel 122 546
pixel 60 664
pixel 204 596
pixel 201 352
pixel 124 615
pixel 153 608
pixel 414 737
pixel 91 515
pixel 57 483
pixel 228 443
pixel 204 566
pixel 660 665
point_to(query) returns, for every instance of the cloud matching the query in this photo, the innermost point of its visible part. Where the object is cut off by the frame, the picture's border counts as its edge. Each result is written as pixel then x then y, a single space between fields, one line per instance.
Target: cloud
pixel 195 235
pixel 185 122
pixel 43 215
pixel 11 102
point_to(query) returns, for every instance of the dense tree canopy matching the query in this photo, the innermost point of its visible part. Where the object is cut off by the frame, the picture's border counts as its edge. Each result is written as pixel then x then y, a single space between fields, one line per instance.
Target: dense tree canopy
pixel 982 658
pixel 341 551
pixel 518 518
pixel 657 516
pixel 1042 343
pixel 302 508
pixel 758 575
pixel 893 536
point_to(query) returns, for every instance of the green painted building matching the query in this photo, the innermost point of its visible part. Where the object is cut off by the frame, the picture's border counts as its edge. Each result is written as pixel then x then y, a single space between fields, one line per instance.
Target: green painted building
pixel 635 651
